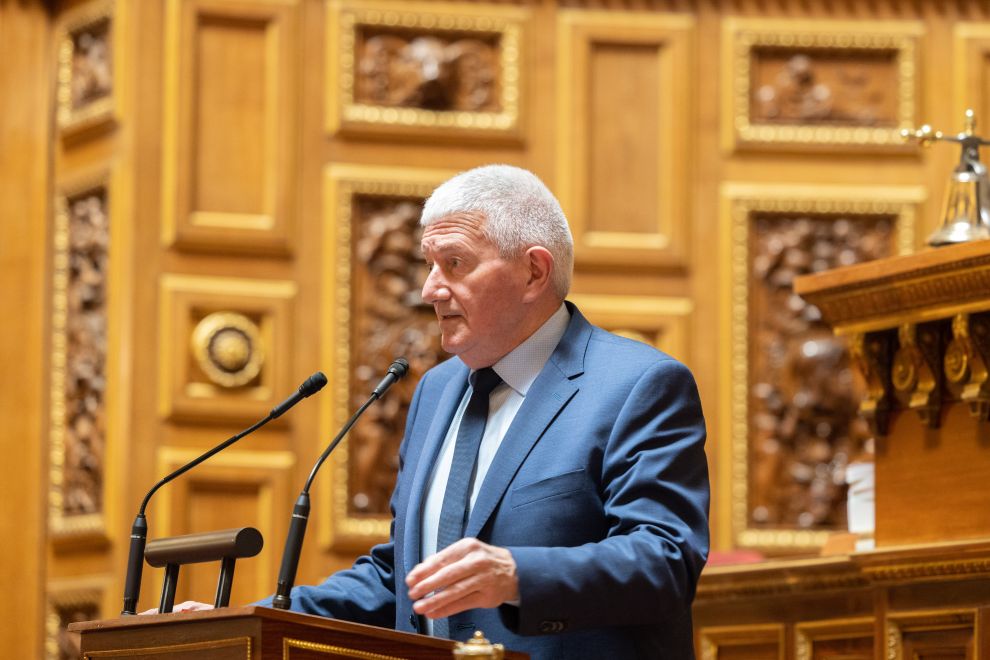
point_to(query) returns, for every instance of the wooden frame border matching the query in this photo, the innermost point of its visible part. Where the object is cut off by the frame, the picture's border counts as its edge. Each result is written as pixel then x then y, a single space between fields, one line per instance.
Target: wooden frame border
pixel 673 35
pixel 270 230
pixel 709 639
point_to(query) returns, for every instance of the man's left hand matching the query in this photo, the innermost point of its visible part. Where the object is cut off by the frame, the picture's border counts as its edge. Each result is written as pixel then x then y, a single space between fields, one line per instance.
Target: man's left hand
pixel 465 575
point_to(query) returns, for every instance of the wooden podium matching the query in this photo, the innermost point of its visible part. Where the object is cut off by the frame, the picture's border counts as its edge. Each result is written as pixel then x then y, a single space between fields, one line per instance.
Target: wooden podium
pixel 253 633
pixel 920 332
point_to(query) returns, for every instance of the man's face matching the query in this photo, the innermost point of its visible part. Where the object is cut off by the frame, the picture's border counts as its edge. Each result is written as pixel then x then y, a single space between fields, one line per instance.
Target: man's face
pixel 477 295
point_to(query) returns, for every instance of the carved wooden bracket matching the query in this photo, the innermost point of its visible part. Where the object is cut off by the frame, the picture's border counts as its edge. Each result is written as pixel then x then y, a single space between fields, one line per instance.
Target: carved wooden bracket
pixel 873 353
pixel 917 370
pixel 966 359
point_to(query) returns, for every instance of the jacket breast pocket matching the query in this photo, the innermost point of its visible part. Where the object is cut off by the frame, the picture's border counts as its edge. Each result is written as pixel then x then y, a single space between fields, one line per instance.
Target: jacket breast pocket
pixel 555 486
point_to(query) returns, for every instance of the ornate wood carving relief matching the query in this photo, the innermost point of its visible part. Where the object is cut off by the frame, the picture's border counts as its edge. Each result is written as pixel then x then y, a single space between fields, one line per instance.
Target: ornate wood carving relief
pixel 86 68
pixel 219 347
pixel 824 83
pixel 71 601
pixel 424 70
pixel 804 423
pixel 809 86
pixel 793 410
pixel 439 71
pixel 91 73
pixel 965 362
pixel 79 355
pixel 390 321
pixel 374 275
pixel 64 646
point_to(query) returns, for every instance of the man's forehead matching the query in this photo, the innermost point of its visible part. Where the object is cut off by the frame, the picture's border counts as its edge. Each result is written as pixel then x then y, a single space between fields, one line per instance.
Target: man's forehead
pixel 453 228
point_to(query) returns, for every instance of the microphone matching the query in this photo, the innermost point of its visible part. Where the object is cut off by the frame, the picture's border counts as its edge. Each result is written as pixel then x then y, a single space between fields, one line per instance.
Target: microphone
pixel 139 530
pixel 300 512
pixel 310 386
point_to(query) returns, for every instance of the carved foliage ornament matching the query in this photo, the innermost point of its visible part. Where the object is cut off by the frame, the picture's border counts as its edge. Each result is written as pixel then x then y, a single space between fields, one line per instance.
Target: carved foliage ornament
pixel 804 426
pixel 431 72
pixel 390 320
pixel 82 238
pixel 85 71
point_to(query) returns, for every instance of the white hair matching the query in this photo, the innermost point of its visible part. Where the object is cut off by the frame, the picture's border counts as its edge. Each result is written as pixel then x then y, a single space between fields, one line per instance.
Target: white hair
pixel 519 211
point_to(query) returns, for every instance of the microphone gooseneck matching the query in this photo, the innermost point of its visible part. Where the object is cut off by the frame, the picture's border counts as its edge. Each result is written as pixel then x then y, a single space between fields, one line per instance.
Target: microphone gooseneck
pixel 139 530
pixel 300 512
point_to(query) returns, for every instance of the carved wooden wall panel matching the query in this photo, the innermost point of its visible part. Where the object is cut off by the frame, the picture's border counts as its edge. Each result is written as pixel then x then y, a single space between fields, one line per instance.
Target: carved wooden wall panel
pixel 418 70
pixel 230 126
pixel 377 315
pixel 933 635
pixel 236 488
pixel 224 345
pixel 78 422
pixel 840 639
pixel 827 84
pixel 69 601
pixel 87 68
pixel 622 149
pixel 761 642
pixel 795 398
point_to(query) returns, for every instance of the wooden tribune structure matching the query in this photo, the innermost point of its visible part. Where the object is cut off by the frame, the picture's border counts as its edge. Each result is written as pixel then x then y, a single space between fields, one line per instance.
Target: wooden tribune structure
pixel 919 329
pixel 253 633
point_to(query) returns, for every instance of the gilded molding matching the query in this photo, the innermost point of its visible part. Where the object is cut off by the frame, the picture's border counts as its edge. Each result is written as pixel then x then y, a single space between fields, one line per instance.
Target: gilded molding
pixel 740 203
pixel 101 73
pixel 745 35
pixel 346 113
pixel 288 643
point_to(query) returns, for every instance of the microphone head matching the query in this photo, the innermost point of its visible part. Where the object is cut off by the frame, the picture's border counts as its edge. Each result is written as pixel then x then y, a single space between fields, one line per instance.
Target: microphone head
pixel 399 368
pixel 313 384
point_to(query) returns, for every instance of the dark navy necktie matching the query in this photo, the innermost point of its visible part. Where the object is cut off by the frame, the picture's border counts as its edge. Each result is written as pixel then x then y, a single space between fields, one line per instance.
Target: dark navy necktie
pixel 463 467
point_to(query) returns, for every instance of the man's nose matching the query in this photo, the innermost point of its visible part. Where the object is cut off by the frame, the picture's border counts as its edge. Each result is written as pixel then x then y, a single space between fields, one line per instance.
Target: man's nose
pixel 435 288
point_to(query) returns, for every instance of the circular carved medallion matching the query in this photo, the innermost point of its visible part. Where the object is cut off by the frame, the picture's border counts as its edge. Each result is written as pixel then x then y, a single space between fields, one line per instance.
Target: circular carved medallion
pixel 228 348
pixel 956 362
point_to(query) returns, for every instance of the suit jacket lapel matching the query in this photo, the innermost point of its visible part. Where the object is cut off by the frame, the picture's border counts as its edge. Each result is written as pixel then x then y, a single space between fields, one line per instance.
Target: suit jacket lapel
pixel 551 391
pixel 451 396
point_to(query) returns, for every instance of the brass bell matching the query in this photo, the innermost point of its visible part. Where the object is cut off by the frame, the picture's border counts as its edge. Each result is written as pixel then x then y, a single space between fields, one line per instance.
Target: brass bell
pixel 966 210
pixel 479 648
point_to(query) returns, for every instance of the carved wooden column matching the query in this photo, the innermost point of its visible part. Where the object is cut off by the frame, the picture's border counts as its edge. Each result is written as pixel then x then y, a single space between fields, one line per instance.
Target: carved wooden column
pixel 920 329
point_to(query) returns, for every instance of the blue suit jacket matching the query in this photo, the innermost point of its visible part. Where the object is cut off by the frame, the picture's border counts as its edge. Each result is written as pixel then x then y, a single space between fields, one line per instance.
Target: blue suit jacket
pixel 599 490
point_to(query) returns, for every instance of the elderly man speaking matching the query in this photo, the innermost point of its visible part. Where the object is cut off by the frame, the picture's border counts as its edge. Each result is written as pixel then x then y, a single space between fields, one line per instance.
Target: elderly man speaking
pixel 553 489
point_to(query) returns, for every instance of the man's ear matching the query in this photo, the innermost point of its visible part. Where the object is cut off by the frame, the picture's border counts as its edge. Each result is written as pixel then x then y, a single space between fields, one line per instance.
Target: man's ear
pixel 539 263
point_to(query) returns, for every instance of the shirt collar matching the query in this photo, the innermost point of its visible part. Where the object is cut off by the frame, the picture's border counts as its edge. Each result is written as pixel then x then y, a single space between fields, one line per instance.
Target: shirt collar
pixel 520 366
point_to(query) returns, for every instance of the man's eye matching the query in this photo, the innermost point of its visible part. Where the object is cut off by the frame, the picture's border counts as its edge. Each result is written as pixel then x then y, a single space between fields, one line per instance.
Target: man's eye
pixel 455 262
